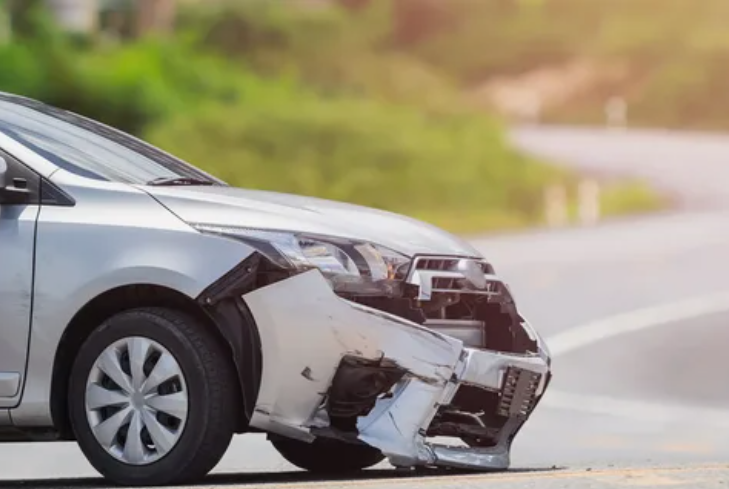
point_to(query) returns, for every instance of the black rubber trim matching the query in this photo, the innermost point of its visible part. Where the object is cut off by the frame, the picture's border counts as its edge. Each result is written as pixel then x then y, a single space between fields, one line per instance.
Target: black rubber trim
pixel 237 281
pixel 223 302
pixel 53 195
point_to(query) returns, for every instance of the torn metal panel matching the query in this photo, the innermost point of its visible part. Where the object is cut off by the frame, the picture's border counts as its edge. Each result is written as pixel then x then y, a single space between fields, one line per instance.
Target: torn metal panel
pixel 494 457
pixel 398 426
pixel 340 369
pixel 305 331
pixel 542 347
pixel 486 369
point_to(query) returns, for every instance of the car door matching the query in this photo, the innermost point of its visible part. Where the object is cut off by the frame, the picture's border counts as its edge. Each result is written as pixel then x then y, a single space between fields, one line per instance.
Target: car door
pixel 17 251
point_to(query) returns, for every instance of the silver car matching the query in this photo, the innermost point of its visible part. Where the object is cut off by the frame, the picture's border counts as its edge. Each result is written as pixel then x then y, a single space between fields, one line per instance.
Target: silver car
pixel 150 311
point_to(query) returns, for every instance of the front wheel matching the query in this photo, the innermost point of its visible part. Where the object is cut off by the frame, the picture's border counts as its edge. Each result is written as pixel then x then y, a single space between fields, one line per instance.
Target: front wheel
pixel 327 457
pixel 152 398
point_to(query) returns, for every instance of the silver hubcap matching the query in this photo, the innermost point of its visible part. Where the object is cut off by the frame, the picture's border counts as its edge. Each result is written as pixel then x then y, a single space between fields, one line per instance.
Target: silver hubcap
pixel 136 401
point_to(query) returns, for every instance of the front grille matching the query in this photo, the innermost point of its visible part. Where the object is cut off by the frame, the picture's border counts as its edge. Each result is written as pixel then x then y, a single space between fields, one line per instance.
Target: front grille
pixel 445 283
pixel 448 293
pixel 436 264
pixel 519 392
pixel 448 264
pixel 453 275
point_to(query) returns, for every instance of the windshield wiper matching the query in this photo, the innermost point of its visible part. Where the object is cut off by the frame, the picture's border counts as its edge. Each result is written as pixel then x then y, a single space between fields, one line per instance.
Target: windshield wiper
pixel 170 181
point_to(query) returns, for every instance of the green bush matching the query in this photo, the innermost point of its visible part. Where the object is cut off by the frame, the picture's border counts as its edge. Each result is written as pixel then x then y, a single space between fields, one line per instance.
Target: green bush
pixel 296 100
pixel 674 53
pixel 134 85
pixel 629 198
pixel 282 137
pixel 122 95
pixel 332 50
pixel 129 86
pixel 23 72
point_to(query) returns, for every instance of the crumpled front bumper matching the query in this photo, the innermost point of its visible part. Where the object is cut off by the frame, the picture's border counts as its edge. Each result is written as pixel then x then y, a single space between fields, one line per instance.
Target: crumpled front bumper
pixel 306 331
pixel 396 430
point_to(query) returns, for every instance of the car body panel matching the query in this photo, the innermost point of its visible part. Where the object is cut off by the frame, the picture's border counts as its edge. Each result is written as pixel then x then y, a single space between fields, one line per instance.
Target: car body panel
pixel 91 248
pixel 231 206
pixel 115 234
pixel 17 246
pixel 305 332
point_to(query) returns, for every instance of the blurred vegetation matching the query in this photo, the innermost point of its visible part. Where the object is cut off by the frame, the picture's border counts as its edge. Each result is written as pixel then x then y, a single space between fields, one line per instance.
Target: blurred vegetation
pixel 673 54
pixel 286 96
pixel 624 199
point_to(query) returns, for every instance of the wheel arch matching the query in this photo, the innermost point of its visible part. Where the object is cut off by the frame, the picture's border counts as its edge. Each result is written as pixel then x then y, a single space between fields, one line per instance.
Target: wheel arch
pixel 228 329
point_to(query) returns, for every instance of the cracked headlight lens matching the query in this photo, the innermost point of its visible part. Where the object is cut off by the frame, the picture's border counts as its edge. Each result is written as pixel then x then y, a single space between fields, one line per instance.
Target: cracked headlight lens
pixel 350 266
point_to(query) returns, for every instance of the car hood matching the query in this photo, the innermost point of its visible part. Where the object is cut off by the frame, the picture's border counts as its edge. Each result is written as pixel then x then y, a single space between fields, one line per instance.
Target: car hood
pixel 232 206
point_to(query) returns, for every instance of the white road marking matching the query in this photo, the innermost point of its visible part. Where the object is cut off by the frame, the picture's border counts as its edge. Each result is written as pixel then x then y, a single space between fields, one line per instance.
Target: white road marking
pixel 651 317
pixel 639 320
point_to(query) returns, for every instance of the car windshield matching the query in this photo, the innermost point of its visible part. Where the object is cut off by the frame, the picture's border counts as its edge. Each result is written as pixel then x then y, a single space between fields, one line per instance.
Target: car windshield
pixel 91 149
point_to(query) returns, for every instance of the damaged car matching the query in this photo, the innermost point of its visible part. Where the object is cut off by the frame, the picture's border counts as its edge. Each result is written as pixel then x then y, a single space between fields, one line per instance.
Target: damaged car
pixel 150 312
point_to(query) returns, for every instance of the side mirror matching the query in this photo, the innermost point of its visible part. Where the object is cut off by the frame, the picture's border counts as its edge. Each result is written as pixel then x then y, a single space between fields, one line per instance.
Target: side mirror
pixel 14 192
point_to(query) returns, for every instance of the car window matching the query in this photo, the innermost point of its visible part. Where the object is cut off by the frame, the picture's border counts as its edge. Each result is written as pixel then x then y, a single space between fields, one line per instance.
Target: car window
pixel 88 148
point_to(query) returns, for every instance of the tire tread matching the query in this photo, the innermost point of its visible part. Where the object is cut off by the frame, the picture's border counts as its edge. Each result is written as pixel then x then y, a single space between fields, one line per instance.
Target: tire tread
pixel 327 457
pixel 191 463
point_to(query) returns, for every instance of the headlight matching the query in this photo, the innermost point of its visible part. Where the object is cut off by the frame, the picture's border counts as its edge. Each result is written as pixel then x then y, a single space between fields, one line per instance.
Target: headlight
pixel 350 266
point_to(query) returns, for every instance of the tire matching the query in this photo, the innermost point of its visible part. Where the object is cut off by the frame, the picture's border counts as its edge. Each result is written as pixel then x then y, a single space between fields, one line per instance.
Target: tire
pixel 326 456
pixel 202 426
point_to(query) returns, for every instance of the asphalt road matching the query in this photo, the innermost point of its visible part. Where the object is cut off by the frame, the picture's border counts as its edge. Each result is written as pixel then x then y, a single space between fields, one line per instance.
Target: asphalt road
pixel 636 313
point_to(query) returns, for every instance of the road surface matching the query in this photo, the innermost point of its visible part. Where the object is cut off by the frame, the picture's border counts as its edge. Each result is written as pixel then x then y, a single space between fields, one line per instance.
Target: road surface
pixel 637 315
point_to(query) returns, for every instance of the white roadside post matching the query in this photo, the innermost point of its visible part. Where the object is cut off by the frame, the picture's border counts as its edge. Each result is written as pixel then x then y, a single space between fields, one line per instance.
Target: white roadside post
pixel 588 202
pixel 616 113
pixel 555 205
pixel 532 108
